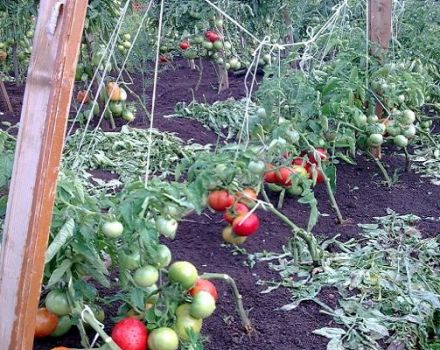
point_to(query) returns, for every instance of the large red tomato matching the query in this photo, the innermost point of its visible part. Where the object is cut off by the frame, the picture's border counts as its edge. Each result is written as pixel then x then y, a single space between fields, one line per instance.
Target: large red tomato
pixel 220 200
pixel 246 225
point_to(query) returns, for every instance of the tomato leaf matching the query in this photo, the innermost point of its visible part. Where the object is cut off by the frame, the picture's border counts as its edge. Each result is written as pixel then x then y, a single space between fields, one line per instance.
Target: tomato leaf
pixel 59 272
pixel 63 236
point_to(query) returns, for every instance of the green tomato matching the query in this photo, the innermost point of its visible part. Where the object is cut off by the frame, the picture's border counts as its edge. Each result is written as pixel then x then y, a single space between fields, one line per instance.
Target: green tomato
pixel 376 128
pixel 408 117
pixel 116 108
pixel 128 115
pixel 126 37
pixel 122 94
pixel 400 141
pixel 185 323
pixel 112 229
pixel 57 303
pixel 146 276
pixel 261 112
pixel 218 45
pixel 167 226
pixel 227 45
pixel 208 45
pixel 130 261
pixel 375 140
pixel 360 120
pixel 294 190
pixel 163 256
pixel 409 132
pixel 256 167
pixel 267 58
pixel 184 273
pixel 163 338
pixel 203 305
pixel 198 39
pixel 183 310
pixel 372 119
pixel 64 325
pixel 393 128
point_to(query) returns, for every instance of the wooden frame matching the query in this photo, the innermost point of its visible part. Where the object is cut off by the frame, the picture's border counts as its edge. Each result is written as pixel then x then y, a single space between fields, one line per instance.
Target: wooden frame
pixel 40 142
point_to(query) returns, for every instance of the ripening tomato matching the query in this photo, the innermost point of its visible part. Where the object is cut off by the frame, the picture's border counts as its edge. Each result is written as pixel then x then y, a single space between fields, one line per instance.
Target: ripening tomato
pixel 82 96
pixel 322 153
pixel 204 285
pixel 184 45
pixel 245 224
pixel 300 170
pixel 248 197
pixel 270 176
pixel 45 323
pixel 113 91
pixel 231 237
pixel 283 177
pixel 220 200
pixel 163 58
pixel 234 211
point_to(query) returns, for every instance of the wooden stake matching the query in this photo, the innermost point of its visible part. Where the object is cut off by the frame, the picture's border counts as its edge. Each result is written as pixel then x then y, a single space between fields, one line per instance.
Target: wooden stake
pixel 37 159
pixel 6 96
pixel 380 32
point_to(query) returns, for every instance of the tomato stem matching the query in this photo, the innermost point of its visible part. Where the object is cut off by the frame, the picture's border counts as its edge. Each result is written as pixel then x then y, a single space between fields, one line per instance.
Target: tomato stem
pixel 238 298
pixel 309 238
pixel 382 169
pixel 281 199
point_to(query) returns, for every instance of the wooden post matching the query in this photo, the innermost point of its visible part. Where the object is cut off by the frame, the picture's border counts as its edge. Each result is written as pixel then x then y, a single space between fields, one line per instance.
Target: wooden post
pixel 380 22
pixel 37 157
pixel 5 95
pixel 380 32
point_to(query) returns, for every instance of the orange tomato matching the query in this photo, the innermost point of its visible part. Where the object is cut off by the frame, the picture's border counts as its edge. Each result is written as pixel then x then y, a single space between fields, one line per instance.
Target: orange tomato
pixel 113 91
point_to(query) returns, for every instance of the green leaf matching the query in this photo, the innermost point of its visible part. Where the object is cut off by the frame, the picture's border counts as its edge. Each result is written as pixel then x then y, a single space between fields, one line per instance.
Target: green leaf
pixel 59 272
pixel 65 233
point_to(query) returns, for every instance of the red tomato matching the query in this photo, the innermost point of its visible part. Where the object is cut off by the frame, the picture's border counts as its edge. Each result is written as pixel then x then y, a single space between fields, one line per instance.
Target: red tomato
pixel 163 58
pixel 206 286
pixel 245 225
pixel 234 211
pixel 184 45
pixel 298 161
pixel 45 323
pixel 220 200
pixel 270 176
pixel 212 36
pixel 130 334
pixel 322 152
pixel 283 177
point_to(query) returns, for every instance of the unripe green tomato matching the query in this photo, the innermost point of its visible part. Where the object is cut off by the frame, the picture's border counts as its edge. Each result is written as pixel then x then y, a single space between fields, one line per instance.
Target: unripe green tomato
pixel 400 141
pixel 146 276
pixel 375 140
pixel 183 273
pixel 112 229
pixel 203 305
pixel 163 338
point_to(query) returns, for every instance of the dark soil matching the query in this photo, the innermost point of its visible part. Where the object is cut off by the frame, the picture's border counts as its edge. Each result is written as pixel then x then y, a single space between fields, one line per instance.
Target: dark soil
pixel 361 195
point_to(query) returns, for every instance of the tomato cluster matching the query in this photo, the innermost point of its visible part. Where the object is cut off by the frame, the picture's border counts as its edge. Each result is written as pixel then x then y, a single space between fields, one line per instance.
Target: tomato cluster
pixel 308 165
pixel 242 222
pixel 131 333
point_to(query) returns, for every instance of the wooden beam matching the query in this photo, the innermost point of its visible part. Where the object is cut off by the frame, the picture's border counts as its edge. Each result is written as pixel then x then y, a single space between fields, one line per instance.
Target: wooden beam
pixel 380 22
pixel 37 157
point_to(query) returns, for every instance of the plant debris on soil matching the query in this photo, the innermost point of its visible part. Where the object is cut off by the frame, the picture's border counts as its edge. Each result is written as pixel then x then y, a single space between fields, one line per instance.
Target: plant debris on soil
pixel 360 195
